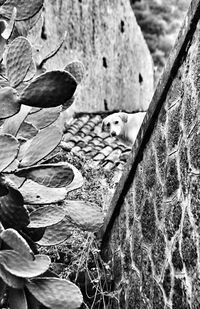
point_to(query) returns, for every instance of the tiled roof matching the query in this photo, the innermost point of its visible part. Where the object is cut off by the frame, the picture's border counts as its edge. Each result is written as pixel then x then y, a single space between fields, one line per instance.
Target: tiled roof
pixel 83 137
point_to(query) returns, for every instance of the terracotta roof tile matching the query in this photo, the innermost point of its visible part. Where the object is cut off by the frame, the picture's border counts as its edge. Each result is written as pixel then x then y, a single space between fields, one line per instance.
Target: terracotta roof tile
pixel 83 137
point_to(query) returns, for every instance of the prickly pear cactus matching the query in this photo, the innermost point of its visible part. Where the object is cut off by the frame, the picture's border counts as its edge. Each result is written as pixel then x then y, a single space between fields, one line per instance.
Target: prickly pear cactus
pixel 30 104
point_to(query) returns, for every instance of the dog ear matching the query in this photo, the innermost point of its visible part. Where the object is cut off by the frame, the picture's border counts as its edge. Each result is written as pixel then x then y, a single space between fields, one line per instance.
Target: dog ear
pixel 123 116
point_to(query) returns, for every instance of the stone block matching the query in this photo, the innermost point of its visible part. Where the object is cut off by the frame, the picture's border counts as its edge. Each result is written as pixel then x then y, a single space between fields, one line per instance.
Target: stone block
pixel 161 151
pixel 147 276
pixel 158 252
pixel 134 295
pixel 172 217
pixel 188 245
pixel 195 151
pixel 172 181
pixel 140 193
pixel 167 281
pixel 136 245
pixel 174 130
pixel 184 167
pixel 159 195
pixel 179 298
pixel 195 199
pixel 176 90
pixel 148 222
pixel 176 258
pixel 158 299
pixel 149 169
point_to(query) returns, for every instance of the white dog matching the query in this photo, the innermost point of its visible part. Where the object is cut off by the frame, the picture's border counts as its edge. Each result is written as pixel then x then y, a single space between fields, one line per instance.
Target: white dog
pixel 123 125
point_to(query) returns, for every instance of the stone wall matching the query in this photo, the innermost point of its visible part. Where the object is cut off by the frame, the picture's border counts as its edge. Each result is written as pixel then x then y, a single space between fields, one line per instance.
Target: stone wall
pixel 151 234
pixel 105 36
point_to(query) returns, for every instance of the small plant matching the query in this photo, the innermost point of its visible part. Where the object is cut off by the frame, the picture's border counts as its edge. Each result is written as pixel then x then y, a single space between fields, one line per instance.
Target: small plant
pixel 30 104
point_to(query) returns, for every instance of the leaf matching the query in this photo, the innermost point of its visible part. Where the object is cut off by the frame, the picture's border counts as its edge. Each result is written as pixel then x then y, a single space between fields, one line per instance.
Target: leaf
pixel 11 167
pixel 17 66
pixel 12 124
pixel 25 9
pixel 41 145
pixel 27 131
pixel 8 102
pixel 49 89
pixel 43 118
pixel 46 216
pixel 77 69
pixel 11 280
pixel 21 267
pixel 32 301
pixel 9 27
pixel 17 299
pixel 9 148
pixel 31 71
pixel 15 241
pixel 56 293
pixel 88 216
pixel 77 181
pixel 36 194
pixel 12 211
pixel 55 175
pixel 57 233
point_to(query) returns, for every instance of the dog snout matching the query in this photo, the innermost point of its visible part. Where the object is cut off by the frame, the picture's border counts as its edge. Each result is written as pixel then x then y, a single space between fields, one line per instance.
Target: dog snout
pixel 113 133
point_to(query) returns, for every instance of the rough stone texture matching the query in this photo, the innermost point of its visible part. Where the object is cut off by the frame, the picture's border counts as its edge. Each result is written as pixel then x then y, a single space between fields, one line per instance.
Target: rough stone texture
pixel 165 215
pixel 105 36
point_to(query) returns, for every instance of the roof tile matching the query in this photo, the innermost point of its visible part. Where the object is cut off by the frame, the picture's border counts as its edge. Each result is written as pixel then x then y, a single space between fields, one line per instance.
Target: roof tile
pixel 84 137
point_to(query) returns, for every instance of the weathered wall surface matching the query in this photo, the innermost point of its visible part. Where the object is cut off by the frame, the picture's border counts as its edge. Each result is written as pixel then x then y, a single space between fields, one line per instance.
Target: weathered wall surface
pixel 104 35
pixel 153 245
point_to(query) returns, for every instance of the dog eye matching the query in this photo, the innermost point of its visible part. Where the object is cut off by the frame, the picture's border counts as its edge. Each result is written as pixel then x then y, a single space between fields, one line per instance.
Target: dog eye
pixel 108 125
pixel 116 122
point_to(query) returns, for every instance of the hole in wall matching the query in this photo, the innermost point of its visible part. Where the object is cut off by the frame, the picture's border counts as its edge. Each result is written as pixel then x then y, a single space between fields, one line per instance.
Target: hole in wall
pixel 122 26
pixel 105 105
pixel 140 78
pixel 43 32
pixel 104 62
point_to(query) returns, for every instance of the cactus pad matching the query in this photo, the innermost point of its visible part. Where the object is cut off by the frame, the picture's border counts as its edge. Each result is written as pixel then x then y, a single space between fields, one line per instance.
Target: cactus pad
pixel 12 124
pixel 12 212
pixel 18 60
pixel 77 69
pixel 56 233
pixel 25 9
pixel 41 145
pixel 36 194
pixel 46 216
pixel 88 216
pixel 9 148
pixel 27 131
pixel 31 71
pixel 19 266
pixel 15 241
pixel 11 280
pixel 51 175
pixel 43 118
pixel 55 293
pixel 8 102
pixel 49 89
pixel 9 27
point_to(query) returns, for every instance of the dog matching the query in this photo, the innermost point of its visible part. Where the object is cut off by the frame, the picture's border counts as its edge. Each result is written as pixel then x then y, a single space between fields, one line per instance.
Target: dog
pixel 123 125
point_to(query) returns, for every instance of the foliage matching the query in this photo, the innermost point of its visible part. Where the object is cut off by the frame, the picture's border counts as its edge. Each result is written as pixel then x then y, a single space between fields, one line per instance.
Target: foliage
pixel 159 22
pixel 30 104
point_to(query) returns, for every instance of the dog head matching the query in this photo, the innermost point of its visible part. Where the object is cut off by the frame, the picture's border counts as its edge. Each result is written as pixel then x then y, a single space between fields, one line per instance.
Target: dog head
pixel 114 124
